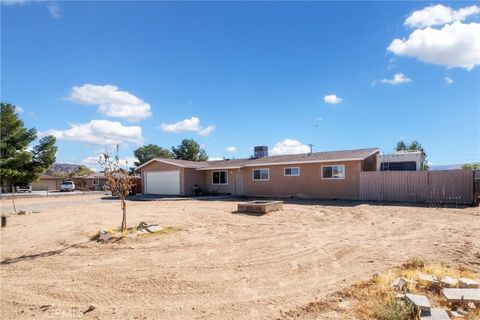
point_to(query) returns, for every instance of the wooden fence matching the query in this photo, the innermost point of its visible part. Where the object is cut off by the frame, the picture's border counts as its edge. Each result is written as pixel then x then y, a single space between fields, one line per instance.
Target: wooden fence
pixel 445 186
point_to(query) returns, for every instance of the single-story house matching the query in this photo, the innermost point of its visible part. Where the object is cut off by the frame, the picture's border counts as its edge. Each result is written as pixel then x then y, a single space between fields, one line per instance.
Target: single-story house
pixel 327 175
pixel 93 182
pixel 97 182
pixel 46 182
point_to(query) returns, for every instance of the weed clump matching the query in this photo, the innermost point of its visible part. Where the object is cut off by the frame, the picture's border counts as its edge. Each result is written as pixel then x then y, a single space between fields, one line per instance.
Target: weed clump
pixel 394 310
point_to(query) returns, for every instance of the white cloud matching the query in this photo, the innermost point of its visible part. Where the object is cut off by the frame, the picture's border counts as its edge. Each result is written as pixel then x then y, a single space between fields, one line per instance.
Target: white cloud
pixel 18 110
pixel 206 131
pixel 454 45
pixel 332 99
pixel 96 131
pixel 92 162
pixel 398 78
pixel 438 15
pixel 192 124
pixel 289 146
pixel 448 80
pixel 187 125
pixel 111 101
pixel 215 158
pixel 231 149
pixel 54 10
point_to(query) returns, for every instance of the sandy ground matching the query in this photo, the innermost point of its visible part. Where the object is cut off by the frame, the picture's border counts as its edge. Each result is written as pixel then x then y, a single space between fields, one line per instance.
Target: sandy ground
pixel 219 265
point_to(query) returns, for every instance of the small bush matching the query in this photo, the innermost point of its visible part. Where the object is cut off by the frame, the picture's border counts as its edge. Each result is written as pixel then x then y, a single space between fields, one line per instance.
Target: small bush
pixel 395 310
pixel 413 263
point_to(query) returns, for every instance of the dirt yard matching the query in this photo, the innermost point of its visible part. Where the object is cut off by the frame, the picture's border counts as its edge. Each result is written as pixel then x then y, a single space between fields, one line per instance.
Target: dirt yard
pixel 218 264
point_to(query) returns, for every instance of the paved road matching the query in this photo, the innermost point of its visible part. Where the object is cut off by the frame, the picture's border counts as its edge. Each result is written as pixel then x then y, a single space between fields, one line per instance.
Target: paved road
pixel 48 193
pixel 40 203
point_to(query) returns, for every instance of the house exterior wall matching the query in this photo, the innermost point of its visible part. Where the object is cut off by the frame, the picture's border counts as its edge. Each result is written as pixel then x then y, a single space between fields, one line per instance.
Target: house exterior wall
pixel 309 184
pixel 161 166
pixel 193 177
pixel 87 184
pixel 220 188
pixel 370 164
pixel 46 184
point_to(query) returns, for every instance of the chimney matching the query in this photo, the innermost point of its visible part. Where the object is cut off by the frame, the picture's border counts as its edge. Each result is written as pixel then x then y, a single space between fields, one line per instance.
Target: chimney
pixel 260 151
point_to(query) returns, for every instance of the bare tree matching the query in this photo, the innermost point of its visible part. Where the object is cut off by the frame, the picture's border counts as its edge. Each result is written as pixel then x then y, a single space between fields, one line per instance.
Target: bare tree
pixel 119 182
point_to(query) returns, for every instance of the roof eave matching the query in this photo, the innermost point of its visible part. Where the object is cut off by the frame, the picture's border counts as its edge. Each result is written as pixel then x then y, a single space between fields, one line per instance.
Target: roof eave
pixel 217 168
pixel 163 161
pixel 300 162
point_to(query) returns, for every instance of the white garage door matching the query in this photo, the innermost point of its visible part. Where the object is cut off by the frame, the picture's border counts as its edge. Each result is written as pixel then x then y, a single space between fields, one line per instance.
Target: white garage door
pixel 162 182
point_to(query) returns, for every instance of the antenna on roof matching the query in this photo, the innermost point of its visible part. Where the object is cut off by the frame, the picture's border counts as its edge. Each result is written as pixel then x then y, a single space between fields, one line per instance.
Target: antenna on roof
pixel 311 147
pixel 106 147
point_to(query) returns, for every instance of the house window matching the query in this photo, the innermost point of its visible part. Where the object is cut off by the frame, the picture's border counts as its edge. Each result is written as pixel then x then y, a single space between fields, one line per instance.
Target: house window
pixel 333 172
pixel 261 174
pixel 398 166
pixel 219 177
pixel 95 182
pixel 293 171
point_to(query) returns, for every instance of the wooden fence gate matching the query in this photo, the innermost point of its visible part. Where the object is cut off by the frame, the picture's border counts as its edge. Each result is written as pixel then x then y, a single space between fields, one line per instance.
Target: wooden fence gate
pixel 445 186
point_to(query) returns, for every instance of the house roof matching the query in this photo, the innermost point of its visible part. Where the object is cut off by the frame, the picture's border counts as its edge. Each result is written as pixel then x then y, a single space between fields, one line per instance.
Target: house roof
pixel 96 175
pixel 48 177
pixel 316 157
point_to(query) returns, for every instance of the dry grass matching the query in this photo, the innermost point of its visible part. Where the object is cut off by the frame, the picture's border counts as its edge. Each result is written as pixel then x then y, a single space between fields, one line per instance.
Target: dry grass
pixel 117 234
pixel 376 299
pixel 164 230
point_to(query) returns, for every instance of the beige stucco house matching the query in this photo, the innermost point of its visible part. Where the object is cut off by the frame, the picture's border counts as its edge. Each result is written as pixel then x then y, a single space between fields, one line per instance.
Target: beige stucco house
pixel 326 175
pixel 46 182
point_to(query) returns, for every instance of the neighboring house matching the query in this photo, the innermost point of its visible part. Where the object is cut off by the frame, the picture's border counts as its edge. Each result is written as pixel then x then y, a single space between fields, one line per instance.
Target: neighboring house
pixel 328 175
pixel 401 161
pixel 46 182
pixel 93 182
pixel 97 182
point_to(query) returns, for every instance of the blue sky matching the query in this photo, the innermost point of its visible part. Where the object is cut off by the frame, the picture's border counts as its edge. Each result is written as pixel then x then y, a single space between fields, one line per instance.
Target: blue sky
pixel 238 74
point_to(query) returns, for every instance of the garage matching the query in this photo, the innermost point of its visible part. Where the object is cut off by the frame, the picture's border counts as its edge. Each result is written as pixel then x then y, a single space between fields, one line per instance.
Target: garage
pixel 162 182
pixel 46 182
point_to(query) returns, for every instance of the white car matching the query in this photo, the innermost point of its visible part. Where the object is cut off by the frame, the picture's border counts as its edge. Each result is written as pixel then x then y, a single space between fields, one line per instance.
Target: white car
pixel 23 188
pixel 67 186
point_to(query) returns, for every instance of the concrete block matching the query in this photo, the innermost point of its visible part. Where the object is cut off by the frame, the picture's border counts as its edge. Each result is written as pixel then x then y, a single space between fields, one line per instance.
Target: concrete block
pixel 434 314
pixel 419 301
pixel 428 278
pixel 456 314
pixel 104 236
pixel 398 284
pixel 448 281
pixel 153 228
pixel 468 283
pixel 454 295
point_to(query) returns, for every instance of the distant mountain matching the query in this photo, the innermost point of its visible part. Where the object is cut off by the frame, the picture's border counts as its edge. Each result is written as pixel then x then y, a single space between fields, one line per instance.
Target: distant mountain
pixel 446 167
pixel 59 168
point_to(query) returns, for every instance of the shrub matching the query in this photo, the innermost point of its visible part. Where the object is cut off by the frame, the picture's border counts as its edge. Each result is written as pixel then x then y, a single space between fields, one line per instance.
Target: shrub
pixel 395 310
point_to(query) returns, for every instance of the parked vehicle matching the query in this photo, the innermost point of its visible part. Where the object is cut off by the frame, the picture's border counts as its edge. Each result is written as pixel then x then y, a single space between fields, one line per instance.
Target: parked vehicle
pixel 23 188
pixel 67 186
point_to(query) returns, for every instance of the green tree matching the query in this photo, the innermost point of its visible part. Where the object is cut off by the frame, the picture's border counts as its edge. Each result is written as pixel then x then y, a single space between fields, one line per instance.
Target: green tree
pixel 189 150
pixel 473 166
pixel 149 152
pixel 17 163
pixel 413 146
pixel 83 171
pixel 401 146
